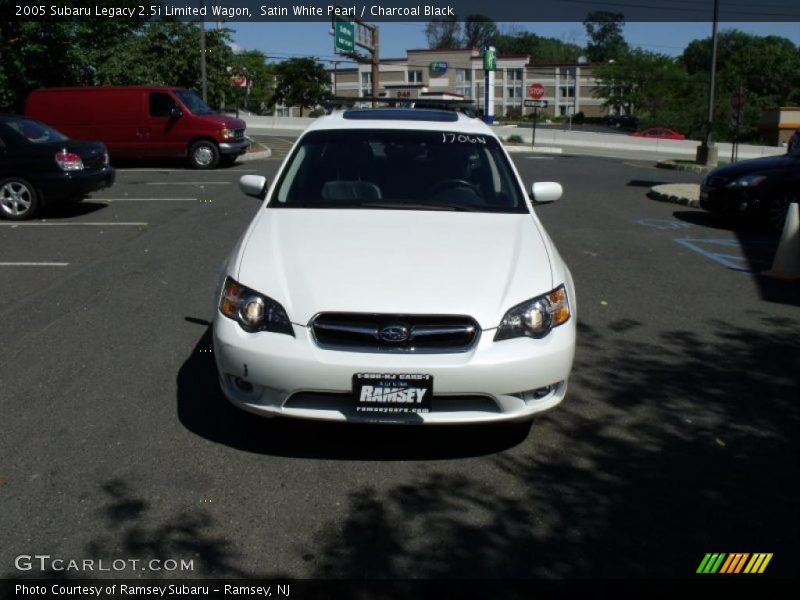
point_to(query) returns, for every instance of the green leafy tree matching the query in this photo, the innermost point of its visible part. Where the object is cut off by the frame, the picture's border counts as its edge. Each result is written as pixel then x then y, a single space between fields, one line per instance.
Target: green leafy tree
pixel 168 53
pixel 262 76
pixel 443 34
pixel 302 82
pixel 479 31
pixel 606 41
pixel 541 49
pixel 766 68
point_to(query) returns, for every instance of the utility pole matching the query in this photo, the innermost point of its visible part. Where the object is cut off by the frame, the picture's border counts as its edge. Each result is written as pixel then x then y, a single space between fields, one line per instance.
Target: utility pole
pixel 335 73
pixel 203 79
pixel 707 153
pixel 376 61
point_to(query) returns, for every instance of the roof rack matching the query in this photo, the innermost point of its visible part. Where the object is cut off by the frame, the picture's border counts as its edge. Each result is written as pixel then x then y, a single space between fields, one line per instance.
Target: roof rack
pixel 466 107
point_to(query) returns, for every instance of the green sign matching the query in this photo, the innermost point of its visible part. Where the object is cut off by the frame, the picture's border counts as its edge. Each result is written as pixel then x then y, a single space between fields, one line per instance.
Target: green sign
pixel 489 59
pixel 344 35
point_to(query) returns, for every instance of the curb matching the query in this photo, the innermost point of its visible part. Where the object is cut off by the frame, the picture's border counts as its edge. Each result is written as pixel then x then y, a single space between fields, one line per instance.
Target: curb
pixel 663 195
pixel 540 149
pixel 248 156
pixel 675 166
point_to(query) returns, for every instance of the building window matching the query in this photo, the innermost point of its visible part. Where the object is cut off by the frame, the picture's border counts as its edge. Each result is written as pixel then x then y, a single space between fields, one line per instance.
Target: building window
pixel 366 83
pixel 415 77
pixel 464 82
pixel 567 72
pixel 567 91
pixel 514 83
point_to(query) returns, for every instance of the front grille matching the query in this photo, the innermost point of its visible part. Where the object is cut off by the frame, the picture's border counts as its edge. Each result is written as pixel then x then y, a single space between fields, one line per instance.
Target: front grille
pixel 346 404
pixel 238 134
pixel 359 332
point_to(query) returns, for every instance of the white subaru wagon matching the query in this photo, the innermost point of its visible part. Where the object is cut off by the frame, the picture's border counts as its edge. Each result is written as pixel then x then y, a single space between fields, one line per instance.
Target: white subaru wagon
pixel 398 273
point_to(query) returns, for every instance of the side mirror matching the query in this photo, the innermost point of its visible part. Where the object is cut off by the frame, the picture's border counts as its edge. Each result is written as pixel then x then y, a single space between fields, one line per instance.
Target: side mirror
pixel 253 185
pixel 544 192
pixel 175 113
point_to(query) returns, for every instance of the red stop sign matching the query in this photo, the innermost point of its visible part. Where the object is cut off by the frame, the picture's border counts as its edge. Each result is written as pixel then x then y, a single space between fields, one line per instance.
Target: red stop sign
pixel 536 90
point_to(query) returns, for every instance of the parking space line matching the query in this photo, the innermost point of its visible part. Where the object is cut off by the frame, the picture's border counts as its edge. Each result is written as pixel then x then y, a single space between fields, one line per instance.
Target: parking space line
pixel 121 171
pixel 189 183
pixel 72 224
pixel 33 264
pixel 143 199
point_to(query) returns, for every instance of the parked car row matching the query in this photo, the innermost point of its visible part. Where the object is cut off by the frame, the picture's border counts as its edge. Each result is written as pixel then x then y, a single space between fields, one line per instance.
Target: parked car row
pixel 41 163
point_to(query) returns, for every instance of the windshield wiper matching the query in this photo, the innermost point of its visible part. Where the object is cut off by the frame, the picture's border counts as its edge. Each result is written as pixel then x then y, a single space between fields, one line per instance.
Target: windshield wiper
pixel 412 206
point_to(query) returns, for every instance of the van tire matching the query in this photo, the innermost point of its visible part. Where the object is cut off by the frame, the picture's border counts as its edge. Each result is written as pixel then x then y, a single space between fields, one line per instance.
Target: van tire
pixel 204 155
pixel 18 199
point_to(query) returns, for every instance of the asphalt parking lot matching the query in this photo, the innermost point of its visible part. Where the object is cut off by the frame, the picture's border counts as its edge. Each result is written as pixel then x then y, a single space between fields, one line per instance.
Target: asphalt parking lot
pixel 678 436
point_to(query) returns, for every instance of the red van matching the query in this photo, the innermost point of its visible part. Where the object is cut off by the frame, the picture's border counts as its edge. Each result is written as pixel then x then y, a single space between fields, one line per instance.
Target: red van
pixel 142 122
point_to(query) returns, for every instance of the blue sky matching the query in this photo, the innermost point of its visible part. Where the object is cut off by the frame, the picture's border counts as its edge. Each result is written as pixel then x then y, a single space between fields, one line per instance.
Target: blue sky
pixel 282 40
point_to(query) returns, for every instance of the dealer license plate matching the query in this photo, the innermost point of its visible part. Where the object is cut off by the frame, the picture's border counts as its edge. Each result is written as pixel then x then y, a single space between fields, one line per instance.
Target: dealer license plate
pixel 392 393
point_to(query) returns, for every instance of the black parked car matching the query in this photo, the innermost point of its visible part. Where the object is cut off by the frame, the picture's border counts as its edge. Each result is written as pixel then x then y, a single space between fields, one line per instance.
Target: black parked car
pixel 763 187
pixel 39 165
pixel 626 122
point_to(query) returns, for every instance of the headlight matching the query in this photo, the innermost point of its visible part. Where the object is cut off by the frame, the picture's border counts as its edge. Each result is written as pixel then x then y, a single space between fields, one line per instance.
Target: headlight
pixel 747 181
pixel 226 133
pixel 253 311
pixel 535 318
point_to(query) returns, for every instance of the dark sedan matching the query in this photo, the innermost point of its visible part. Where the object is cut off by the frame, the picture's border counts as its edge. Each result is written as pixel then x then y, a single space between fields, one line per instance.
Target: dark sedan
pixel 39 165
pixel 763 187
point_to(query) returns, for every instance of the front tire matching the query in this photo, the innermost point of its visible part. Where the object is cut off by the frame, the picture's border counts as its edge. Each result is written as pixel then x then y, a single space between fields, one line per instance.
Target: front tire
pixel 776 211
pixel 18 199
pixel 204 155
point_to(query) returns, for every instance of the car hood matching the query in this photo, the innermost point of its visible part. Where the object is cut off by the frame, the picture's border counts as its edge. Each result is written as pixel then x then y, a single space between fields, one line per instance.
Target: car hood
pixel 401 262
pixel 225 121
pixel 756 165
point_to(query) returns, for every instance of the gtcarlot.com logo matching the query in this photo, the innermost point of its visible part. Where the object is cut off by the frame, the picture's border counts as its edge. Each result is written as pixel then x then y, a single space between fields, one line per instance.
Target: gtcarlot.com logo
pixel 46 562
pixel 735 562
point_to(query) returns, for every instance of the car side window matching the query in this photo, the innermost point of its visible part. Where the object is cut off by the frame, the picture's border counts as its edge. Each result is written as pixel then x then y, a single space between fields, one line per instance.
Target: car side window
pixel 161 104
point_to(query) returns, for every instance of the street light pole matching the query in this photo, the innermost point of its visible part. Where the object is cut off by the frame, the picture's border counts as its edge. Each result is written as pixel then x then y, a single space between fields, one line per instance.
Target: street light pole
pixel 707 153
pixel 203 79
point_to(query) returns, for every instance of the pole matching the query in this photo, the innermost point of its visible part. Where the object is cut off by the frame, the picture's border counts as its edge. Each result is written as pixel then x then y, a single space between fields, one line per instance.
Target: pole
pixel 533 131
pixel 335 65
pixel 706 153
pixel 203 79
pixel 376 63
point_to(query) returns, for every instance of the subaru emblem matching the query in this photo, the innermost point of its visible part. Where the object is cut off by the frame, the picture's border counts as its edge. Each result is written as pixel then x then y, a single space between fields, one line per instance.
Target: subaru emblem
pixel 394 333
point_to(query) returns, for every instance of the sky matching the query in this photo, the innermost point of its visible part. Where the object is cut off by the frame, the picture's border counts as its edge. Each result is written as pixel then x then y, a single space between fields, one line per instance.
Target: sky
pixel 288 39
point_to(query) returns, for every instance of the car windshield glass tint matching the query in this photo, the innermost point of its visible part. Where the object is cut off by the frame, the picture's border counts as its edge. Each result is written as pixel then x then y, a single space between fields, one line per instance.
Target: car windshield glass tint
pixel 37 133
pixel 193 102
pixel 400 169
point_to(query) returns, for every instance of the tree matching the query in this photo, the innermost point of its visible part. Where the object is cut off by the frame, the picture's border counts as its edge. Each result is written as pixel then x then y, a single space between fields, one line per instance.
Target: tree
pixel 479 31
pixel 765 67
pixel 540 49
pixel 443 34
pixel 167 53
pixel 262 76
pixel 606 41
pixel 653 86
pixel 301 82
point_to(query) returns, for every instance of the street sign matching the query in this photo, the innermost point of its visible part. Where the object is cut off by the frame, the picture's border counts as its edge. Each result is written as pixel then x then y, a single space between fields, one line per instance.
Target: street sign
pixel 535 103
pixel 344 35
pixel 738 100
pixel 736 120
pixel 536 90
pixel 490 58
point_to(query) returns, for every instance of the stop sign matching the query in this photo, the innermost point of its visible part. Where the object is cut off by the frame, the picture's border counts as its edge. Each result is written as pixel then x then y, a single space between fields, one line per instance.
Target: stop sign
pixel 536 90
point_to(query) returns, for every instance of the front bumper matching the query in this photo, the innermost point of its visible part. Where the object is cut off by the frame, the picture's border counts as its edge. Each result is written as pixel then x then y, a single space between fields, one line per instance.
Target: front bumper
pixel 234 148
pixel 63 185
pixel 293 377
pixel 729 200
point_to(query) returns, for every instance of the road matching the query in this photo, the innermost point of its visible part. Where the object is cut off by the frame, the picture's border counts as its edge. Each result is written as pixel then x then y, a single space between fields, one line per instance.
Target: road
pixel 678 436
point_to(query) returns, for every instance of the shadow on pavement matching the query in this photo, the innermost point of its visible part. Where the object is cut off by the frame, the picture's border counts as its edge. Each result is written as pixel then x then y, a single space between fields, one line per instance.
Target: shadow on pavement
pixel 758 244
pixel 68 210
pixel 168 164
pixel 203 410
pixel 670 446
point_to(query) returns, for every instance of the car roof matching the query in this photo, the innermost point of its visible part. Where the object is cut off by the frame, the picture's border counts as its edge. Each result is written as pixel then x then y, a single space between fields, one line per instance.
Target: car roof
pixel 419 119
pixel 110 88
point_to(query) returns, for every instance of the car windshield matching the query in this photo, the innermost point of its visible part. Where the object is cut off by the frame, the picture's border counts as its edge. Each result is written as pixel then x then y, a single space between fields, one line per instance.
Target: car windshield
pixel 399 170
pixel 35 132
pixel 193 103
